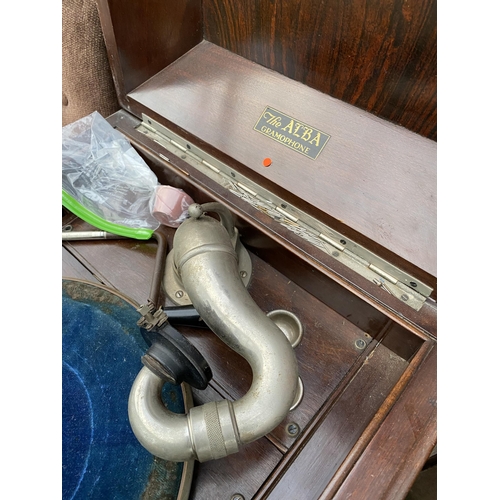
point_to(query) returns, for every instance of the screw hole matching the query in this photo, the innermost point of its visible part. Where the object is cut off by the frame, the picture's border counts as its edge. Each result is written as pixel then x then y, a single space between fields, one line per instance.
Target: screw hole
pixel 233 174
pixel 344 242
pixel 413 284
pixel 188 146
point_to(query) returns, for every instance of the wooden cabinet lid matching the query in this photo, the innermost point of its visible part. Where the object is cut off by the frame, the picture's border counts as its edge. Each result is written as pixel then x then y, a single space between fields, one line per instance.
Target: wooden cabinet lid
pixel 373 176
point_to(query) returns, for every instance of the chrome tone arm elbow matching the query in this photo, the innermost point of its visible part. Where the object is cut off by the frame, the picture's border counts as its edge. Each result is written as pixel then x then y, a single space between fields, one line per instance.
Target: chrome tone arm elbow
pixel 206 263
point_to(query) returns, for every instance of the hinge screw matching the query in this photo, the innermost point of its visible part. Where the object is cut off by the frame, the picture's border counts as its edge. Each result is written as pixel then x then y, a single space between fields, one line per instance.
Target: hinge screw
pixel 360 344
pixel 243 274
pixel 237 496
pixel 404 297
pixel 292 429
pixel 179 294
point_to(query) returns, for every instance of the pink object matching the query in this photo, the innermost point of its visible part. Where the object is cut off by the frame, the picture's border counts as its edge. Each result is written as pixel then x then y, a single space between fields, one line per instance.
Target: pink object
pixel 171 205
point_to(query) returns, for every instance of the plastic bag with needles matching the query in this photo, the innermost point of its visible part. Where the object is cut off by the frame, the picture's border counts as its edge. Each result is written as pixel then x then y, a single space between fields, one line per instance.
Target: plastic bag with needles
pixel 106 183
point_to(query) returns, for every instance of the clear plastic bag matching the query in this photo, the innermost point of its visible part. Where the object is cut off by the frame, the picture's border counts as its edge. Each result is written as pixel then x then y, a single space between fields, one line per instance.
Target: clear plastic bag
pixel 103 173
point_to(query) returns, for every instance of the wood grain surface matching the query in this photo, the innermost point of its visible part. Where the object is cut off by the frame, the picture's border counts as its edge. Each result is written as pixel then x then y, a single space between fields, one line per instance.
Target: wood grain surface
pixel 400 446
pixel 72 267
pixel 126 265
pixel 144 37
pixel 373 176
pixel 377 55
pixel 309 474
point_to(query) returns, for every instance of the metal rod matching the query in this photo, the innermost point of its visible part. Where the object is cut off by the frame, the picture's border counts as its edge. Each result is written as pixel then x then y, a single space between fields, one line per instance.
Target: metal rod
pixel 161 257
pixel 90 235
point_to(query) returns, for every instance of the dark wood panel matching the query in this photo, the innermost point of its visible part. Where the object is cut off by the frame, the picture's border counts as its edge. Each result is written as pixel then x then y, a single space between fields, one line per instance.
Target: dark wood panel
pixel 309 474
pixel 241 473
pixel 72 268
pixel 126 265
pixel 401 342
pixel 401 445
pixel 144 37
pixel 373 176
pixel 377 55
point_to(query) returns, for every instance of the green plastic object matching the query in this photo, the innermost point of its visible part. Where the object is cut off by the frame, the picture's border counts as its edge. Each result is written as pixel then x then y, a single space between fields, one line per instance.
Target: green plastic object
pixel 83 213
pixel 105 181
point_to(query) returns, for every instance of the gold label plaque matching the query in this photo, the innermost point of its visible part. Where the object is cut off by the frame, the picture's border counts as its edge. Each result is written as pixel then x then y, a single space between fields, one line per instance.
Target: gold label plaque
pixel 292 133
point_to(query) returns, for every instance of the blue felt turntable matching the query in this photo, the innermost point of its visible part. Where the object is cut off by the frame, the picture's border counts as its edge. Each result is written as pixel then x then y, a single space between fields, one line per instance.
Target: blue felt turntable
pixel 101 353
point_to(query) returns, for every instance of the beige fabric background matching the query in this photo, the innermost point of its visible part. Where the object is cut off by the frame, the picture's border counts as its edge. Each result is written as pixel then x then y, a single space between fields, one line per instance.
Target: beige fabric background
pixel 87 84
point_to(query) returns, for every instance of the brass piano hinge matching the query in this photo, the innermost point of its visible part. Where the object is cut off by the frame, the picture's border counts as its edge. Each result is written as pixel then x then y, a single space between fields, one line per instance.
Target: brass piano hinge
pixel 361 260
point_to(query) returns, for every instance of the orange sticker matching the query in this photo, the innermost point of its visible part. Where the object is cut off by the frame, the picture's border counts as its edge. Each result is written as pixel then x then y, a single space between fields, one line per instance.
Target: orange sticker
pixel 267 162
